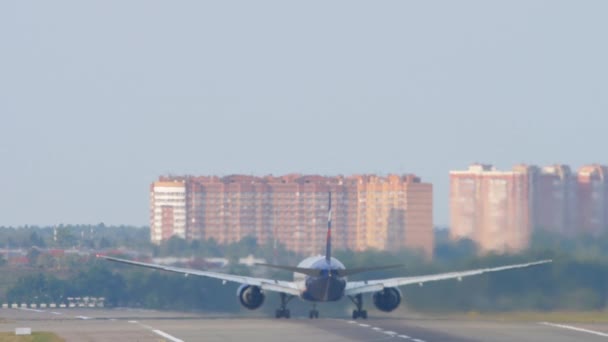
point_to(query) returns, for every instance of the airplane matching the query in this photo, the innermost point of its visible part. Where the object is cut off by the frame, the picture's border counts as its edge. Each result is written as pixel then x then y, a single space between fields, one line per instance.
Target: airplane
pixel 323 278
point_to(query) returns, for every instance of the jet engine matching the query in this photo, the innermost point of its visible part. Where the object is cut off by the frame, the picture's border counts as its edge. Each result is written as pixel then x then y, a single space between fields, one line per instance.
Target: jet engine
pixel 250 296
pixel 388 299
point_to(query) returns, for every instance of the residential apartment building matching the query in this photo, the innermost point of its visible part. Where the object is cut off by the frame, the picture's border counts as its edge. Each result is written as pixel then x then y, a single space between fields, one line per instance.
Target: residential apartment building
pixel 369 211
pixel 593 198
pixel 492 207
pixel 556 200
pixel 500 209
pixel 168 214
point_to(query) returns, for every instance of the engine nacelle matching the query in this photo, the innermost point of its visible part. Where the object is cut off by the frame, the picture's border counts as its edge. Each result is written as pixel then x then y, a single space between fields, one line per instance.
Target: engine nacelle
pixel 251 297
pixel 388 299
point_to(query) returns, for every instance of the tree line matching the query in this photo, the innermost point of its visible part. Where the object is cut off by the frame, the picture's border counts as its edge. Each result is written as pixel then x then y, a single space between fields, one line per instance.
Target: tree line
pixel 576 280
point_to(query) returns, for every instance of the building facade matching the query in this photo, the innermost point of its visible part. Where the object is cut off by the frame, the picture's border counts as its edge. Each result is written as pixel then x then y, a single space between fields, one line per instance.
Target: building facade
pixel 500 209
pixel 492 207
pixel 168 214
pixel 556 200
pixel 369 211
pixel 593 198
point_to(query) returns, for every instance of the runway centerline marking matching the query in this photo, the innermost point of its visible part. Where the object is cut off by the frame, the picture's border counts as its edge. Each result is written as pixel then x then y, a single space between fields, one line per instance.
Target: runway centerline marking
pixel 388 332
pixel 570 327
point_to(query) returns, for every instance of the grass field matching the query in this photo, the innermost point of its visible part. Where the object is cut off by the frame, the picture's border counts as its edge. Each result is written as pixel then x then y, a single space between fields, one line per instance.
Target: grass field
pixel 34 337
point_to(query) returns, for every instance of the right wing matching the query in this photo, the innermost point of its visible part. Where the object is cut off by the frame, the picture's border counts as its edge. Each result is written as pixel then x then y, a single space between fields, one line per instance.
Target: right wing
pixel 357 287
pixel 287 287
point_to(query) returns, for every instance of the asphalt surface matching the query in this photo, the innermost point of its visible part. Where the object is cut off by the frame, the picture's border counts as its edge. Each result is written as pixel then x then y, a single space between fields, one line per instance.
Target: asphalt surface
pixel 118 325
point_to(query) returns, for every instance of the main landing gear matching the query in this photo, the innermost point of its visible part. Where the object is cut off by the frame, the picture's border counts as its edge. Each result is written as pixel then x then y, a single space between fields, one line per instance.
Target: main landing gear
pixel 358 301
pixel 283 311
pixel 314 313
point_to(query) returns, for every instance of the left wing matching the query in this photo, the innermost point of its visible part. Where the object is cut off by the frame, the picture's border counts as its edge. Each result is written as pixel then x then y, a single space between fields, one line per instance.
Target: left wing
pixel 357 287
pixel 287 287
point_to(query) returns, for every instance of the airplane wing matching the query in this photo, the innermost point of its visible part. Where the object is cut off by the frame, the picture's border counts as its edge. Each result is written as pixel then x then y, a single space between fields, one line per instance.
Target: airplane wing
pixel 357 287
pixel 266 284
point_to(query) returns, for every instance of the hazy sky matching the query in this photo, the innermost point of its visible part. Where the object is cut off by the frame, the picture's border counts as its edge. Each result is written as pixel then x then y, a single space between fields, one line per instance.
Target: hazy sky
pixel 99 98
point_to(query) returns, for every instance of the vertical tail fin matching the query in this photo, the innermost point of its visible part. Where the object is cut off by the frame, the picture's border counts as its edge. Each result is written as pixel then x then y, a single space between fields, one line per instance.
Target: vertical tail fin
pixel 328 246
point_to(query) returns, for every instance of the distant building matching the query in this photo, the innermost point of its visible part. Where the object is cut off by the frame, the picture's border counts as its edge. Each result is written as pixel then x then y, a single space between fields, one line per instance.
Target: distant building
pixel 492 207
pixel 556 200
pixel 500 209
pixel 593 198
pixel 368 211
pixel 168 214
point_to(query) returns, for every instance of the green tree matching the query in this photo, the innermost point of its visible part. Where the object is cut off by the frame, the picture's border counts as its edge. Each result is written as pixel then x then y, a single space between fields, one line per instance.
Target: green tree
pixel 65 238
pixel 36 240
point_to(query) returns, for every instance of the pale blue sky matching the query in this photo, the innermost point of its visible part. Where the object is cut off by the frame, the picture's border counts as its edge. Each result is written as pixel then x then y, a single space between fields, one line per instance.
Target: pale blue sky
pixel 99 98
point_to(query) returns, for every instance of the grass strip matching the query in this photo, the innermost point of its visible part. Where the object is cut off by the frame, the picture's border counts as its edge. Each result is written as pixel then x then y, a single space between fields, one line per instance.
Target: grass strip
pixel 34 337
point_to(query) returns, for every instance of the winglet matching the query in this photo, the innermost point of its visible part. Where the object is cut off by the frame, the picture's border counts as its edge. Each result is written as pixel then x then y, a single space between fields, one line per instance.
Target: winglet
pixel 328 246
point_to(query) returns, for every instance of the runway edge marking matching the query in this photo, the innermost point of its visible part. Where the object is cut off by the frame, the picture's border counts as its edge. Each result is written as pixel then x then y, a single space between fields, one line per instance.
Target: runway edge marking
pixel 570 327
pixel 167 336
pixel 157 332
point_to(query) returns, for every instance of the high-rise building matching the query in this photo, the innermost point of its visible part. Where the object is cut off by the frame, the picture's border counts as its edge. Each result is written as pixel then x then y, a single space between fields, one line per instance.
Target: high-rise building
pixel 368 211
pixel 492 207
pixel 555 200
pixel 499 210
pixel 168 214
pixel 593 199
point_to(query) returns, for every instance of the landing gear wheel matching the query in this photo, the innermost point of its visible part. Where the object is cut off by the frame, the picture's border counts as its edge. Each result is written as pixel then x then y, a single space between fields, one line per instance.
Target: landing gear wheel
pixel 283 311
pixel 313 313
pixel 359 312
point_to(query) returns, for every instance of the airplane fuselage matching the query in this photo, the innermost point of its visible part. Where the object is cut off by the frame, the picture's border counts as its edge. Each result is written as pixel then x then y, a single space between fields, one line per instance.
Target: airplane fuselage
pixel 328 286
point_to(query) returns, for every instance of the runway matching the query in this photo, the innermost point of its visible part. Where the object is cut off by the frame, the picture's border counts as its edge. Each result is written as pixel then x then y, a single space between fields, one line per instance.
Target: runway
pixel 118 325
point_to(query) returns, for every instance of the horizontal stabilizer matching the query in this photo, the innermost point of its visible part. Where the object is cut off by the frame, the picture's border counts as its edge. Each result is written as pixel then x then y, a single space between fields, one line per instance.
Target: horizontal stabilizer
pixel 351 271
pixel 315 272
